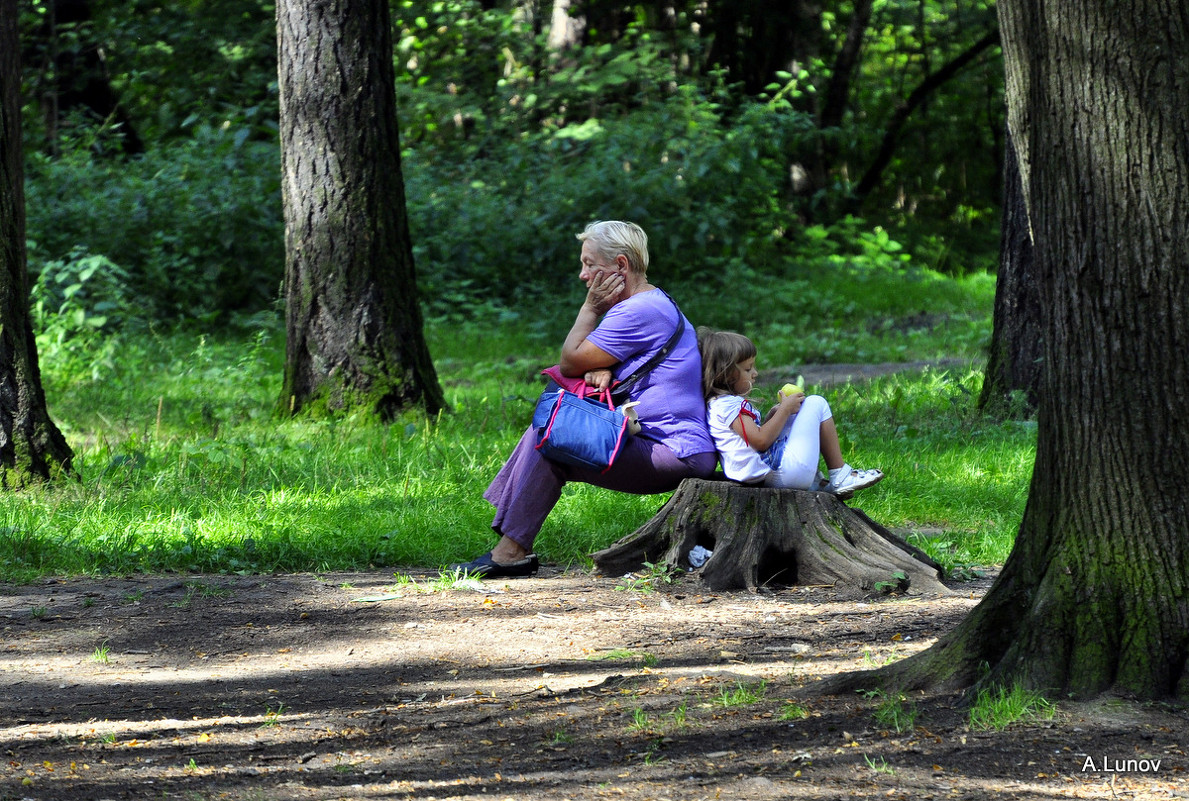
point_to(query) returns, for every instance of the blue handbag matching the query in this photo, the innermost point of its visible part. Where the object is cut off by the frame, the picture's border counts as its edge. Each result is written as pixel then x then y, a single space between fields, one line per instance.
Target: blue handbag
pixel 586 430
pixel 579 429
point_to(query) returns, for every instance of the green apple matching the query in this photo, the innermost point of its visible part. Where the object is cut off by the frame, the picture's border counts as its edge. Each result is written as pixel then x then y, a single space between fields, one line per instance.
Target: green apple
pixel 787 390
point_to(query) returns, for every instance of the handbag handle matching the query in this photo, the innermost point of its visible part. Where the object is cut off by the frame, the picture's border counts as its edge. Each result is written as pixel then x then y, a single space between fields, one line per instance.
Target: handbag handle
pixel 603 395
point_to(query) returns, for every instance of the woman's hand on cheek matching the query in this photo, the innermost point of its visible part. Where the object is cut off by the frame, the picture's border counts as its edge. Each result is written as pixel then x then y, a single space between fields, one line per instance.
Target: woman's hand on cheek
pixel 604 290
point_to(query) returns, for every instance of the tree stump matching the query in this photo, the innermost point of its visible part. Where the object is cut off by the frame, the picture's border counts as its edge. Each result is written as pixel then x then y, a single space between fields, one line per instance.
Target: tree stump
pixel 762 537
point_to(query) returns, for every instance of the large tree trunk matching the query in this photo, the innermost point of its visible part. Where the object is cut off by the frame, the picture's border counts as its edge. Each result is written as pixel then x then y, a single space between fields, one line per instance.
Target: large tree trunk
pixel 354 323
pixel 763 537
pixel 1014 363
pixel 1095 596
pixel 31 446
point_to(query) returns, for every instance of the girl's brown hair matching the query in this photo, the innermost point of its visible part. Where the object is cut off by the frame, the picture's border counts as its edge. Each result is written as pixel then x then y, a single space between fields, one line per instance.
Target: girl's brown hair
pixel 721 353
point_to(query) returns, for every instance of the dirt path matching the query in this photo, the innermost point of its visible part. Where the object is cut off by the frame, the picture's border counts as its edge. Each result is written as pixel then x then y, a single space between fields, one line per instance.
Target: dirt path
pixel 562 686
pixel 821 376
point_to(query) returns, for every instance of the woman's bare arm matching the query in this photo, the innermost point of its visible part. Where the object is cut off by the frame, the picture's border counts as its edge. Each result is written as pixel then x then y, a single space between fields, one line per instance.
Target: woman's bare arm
pixel 578 356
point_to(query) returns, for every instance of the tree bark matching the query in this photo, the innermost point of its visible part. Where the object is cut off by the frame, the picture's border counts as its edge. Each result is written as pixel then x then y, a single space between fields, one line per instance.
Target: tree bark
pixel 354 324
pixel 846 62
pixel 1094 598
pixel 31 446
pixel 762 537
pixel 1014 361
pixel 836 97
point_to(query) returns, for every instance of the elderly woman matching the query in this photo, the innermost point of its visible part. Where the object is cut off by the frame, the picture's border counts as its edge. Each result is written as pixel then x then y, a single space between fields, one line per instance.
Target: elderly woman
pixel 638 319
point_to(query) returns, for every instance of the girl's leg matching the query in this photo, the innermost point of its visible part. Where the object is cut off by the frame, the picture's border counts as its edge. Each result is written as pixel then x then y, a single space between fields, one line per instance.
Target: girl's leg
pixel 807 437
pixel 811 435
pixel 830 447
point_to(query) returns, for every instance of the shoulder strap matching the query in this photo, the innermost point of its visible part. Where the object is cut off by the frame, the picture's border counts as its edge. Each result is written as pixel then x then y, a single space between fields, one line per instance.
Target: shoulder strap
pixel 625 386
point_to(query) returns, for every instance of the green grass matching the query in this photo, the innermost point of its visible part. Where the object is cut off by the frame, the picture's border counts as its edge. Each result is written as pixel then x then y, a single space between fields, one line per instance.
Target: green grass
pixel 741 694
pixel 1000 707
pixel 792 711
pixel 101 654
pixel 185 468
pixel 879 765
pixel 625 655
pixel 896 712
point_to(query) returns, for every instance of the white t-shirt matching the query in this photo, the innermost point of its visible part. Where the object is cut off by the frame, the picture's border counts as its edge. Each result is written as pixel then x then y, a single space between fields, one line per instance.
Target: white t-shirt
pixel 740 461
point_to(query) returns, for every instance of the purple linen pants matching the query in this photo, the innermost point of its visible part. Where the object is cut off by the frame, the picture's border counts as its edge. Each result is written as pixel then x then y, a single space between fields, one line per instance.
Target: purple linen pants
pixel 528 486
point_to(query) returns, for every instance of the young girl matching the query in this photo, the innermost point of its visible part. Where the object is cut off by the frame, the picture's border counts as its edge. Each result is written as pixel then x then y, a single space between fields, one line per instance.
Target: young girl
pixel 784 450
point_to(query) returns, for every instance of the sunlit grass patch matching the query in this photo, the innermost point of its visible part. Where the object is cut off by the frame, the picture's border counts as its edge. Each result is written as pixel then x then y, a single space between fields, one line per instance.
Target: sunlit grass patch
pixel 1000 707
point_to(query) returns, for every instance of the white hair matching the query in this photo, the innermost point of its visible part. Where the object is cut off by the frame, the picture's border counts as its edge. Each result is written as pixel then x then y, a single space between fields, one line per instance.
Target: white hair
pixel 612 238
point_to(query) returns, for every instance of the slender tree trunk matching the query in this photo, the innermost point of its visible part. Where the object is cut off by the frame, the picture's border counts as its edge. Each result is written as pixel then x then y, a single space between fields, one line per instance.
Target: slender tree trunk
pixel 835 99
pixel 927 87
pixel 845 62
pixel 1014 363
pixel 565 31
pixel 753 39
pixel 1095 596
pixel 354 323
pixel 31 446
pixel 80 77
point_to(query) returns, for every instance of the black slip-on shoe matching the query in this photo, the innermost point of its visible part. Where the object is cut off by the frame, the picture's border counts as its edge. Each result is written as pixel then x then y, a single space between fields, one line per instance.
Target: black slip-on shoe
pixel 486 567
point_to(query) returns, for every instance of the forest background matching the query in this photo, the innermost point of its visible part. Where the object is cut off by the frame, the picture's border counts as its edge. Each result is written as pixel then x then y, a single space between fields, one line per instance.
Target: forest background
pixel 824 177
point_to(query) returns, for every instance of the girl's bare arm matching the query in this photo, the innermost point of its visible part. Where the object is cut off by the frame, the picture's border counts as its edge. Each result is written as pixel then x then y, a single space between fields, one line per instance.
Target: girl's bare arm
pixel 761 437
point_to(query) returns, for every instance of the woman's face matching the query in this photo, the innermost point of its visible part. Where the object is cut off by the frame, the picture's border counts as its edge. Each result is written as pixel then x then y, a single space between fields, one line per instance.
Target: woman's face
pixel 593 264
pixel 745 376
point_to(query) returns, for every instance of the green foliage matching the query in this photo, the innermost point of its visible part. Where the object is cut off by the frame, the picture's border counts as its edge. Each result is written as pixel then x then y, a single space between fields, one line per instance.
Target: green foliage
pixel 879 765
pixel 511 147
pixel 101 654
pixel 195 229
pixel 501 228
pixel 469 77
pixel 741 694
pixel 188 65
pixel 897 582
pixel 644 660
pixel 895 712
pixel 944 175
pixel 76 305
pixel 654 575
pixel 792 711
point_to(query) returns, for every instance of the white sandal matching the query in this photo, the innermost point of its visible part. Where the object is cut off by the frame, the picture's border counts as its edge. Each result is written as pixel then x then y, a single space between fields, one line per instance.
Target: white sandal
pixel 852 480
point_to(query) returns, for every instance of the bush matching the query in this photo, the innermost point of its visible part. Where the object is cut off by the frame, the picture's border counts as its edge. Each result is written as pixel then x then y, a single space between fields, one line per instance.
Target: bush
pixel 196 226
pixel 498 228
pixel 76 304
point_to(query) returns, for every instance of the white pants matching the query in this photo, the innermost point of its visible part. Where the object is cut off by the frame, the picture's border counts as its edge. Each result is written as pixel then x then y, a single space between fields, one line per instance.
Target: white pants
pixel 795 454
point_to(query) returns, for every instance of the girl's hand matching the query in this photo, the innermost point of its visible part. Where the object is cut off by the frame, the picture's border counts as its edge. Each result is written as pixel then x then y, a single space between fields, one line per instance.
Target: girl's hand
pixel 792 403
pixel 604 290
pixel 599 379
